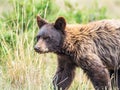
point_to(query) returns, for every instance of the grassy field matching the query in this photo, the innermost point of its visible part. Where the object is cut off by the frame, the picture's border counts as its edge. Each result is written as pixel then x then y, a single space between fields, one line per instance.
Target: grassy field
pixel 20 67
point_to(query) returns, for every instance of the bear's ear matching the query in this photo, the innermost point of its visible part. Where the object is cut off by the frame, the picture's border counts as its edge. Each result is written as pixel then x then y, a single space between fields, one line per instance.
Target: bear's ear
pixel 40 21
pixel 60 24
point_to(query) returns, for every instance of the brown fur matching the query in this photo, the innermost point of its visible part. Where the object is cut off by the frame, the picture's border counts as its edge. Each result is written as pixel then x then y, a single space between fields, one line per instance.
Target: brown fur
pixel 95 47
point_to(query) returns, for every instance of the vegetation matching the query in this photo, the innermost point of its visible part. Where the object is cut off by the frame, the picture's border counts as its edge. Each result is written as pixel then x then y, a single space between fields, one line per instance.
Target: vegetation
pixel 20 67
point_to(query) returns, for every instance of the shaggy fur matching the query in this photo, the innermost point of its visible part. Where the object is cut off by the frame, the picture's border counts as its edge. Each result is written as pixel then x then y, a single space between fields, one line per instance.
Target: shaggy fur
pixel 95 47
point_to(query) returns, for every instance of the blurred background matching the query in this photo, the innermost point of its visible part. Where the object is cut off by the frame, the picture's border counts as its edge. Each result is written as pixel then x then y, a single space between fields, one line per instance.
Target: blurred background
pixel 23 69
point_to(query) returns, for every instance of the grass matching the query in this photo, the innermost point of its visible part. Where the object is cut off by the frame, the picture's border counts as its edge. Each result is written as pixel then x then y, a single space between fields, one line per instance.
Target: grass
pixel 20 67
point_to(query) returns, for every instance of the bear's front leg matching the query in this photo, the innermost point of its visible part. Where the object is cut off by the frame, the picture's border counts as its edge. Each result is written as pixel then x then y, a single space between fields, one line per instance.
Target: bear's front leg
pixel 64 75
pixel 96 71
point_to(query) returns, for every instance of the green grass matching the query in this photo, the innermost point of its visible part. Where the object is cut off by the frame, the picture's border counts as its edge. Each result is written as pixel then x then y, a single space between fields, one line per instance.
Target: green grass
pixel 20 67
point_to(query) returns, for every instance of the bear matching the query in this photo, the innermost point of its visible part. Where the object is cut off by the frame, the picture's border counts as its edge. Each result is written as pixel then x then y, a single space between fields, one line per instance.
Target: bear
pixel 94 47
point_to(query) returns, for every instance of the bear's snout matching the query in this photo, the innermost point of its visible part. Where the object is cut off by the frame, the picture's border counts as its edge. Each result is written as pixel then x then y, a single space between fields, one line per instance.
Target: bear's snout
pixel 41 48
pixel 37 49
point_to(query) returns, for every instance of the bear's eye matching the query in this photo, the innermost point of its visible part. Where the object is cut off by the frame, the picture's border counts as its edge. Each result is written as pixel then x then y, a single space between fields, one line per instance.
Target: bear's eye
pixel 46 38
pixel 37 37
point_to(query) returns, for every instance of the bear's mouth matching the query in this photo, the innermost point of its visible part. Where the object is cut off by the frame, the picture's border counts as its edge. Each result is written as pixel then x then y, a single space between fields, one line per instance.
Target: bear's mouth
pixel 41 52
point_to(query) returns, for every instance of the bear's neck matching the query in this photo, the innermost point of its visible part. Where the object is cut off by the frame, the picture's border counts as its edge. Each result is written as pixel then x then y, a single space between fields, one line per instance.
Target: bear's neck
pixel 66 47
pixel 71 41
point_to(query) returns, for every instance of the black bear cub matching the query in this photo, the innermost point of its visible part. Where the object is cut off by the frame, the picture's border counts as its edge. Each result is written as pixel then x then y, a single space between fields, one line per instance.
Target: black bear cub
pixel 94 47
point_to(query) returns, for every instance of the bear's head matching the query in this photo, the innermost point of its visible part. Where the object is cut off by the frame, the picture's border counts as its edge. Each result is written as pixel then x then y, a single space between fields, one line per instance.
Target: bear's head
pixel 50 35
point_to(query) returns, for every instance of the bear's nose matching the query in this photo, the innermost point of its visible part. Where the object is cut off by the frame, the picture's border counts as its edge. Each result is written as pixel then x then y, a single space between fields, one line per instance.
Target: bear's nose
pixel 37 49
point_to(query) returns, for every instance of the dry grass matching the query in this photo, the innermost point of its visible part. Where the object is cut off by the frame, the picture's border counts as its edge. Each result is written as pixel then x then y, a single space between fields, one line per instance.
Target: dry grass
pixel 23 69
